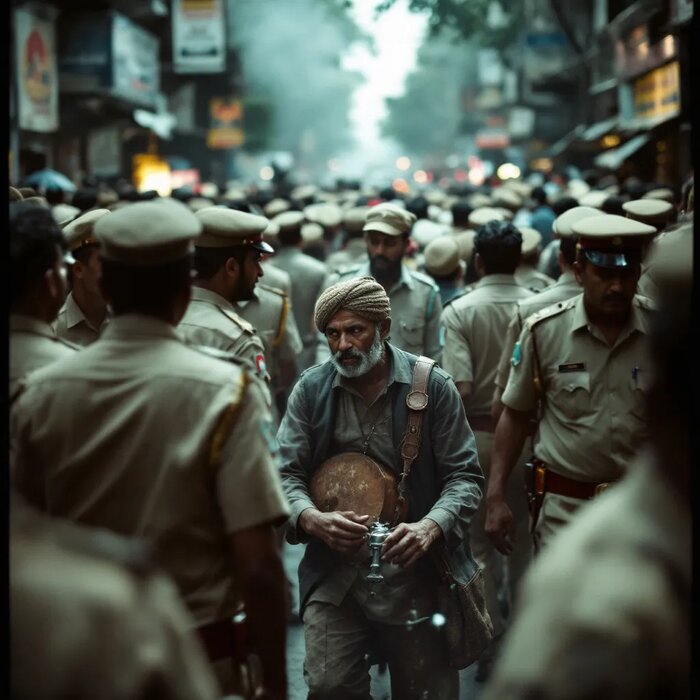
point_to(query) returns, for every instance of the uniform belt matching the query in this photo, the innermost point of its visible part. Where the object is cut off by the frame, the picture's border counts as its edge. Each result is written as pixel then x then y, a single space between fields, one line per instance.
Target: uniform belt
pixel 483 423
pixel 563 486
pixel 218 639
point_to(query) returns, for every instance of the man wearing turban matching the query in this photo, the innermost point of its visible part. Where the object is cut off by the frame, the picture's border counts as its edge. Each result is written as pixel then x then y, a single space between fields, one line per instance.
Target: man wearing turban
pixel 355 402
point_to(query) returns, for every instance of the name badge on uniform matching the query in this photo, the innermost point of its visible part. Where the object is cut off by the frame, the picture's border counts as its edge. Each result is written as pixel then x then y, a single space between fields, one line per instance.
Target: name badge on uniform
pixel 517 355
pixel 573 367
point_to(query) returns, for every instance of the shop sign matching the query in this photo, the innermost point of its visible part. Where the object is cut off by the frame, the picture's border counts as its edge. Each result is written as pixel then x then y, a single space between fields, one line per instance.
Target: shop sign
pixel 37 76
pixel 103 152
pixel 106 53
pixel 657 95
pixel 634 54
pixel 226 131
pixel 199 36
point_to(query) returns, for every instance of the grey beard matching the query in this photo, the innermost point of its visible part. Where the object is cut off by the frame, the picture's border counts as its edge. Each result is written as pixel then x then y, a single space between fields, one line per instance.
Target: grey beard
pixel 368 359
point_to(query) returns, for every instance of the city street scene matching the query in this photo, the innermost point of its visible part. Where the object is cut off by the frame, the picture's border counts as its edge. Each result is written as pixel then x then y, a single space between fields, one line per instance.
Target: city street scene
pixel 349 350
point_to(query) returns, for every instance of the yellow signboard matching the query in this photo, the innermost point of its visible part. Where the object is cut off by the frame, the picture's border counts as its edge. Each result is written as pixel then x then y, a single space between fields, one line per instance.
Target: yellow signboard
pixel 226 123
pixel 150 172
pixel 658 93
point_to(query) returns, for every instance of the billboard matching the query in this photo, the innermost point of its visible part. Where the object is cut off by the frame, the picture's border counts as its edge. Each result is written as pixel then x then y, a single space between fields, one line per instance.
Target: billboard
pixel 226 130
pixel 37 76
pixel 199 36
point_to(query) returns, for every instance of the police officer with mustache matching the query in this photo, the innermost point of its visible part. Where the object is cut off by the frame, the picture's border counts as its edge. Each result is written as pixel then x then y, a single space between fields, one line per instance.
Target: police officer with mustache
pixel 585 364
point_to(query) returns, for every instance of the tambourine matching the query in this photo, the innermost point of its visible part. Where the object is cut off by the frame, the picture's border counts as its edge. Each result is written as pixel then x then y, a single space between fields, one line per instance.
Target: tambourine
pixel 356 482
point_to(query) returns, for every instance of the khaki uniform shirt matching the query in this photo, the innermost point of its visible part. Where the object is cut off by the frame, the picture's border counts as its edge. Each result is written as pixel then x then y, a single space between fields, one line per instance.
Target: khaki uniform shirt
pixel 532 279
pixel 592 417
pixel 475 324
pixel 564 288
pixel 72 324
pixel 605 612
pixel 269 314
pixel 33 345
pixel 354 253
pixel 307 275
pixel 85 624
pixel 415 312
pixel 274 277
pixel 212 321
pixel 145 436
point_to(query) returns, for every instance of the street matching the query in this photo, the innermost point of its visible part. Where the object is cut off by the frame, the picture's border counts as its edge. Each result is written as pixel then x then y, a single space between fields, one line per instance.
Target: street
pixel 469 688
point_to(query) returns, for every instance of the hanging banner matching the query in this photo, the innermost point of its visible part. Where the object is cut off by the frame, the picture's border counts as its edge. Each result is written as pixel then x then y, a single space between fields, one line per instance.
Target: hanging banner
pixel 37 77
pixel 226 129
pixel 199 36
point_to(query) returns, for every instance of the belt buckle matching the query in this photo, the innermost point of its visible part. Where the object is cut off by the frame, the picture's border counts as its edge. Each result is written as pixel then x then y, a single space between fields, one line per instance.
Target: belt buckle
pixel 600 488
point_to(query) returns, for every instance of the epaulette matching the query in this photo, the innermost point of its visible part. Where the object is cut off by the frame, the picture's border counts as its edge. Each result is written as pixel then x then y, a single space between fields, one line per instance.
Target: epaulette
pixel 421 277
pixel 240 322
pixel 645 302
pixel 67 343
pixel 218 354
pixel 549 312
pixel 455 297
pixel 274 290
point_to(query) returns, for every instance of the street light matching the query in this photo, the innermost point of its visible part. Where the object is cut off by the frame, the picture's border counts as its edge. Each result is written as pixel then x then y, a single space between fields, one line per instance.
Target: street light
pixel 403 163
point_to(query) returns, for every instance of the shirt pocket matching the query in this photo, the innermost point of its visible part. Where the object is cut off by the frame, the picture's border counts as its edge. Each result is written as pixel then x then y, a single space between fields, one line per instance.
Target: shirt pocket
pixel 571 392
pixel 639 383
pixel 410 335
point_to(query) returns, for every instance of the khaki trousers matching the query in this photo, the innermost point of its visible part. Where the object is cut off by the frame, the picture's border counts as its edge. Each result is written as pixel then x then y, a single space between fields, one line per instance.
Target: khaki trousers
pixel 556 512
pixel 338 638
pixel 483 549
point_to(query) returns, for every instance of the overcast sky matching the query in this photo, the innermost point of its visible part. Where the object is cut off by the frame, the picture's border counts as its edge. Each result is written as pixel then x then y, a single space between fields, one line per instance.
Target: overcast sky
pixel 398 34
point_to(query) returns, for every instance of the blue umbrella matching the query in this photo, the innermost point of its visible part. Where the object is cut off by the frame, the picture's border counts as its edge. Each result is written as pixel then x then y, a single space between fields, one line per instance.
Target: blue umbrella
pixel 48 179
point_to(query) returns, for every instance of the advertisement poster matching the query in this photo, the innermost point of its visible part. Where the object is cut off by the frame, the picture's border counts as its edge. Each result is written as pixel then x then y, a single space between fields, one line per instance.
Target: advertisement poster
pixel 226 123
pixel 199 37
pixel 37 76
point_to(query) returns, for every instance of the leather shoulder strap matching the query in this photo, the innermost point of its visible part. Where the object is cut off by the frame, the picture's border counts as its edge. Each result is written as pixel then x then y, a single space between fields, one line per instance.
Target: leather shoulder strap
pixel 417 402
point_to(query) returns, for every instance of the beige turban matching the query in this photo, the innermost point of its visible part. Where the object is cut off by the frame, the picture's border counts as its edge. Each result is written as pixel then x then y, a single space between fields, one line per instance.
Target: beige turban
pixel 363 296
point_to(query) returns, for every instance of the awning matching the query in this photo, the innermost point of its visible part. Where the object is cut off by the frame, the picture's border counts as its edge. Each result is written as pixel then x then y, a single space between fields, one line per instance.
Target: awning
pixel 632 125
pixel 615 157
pixel 558 147
pixel 595 131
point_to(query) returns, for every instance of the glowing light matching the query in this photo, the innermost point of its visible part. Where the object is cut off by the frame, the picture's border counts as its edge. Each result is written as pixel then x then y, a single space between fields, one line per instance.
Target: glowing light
pixel 543 164
pixel 158 181
pixel 476 176
pixel 400 185
pixel 474 162
pixel 508 171
pixel 610 140
pixel 266 173
pixel 420 176
pixel 403 163
pixel 333 164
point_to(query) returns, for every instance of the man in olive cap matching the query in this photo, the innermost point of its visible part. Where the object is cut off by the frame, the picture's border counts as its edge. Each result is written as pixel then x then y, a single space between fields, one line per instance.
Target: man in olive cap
pixel 357 402
pixel 415 298
pixel 227 264
pixel 150 438
pixel 606 611
pixel 585 363
pixel 84 313
pixel 38 253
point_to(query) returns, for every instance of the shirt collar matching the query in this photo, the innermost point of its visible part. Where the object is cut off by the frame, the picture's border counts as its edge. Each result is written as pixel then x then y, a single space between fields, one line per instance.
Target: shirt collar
pixel 497 278
pixel 74 314
pixel 139 326
pixel 29 324
pixel 201 294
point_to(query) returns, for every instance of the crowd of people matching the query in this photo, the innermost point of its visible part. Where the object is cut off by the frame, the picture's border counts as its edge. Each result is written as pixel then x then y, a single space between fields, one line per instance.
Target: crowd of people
pixel 497 374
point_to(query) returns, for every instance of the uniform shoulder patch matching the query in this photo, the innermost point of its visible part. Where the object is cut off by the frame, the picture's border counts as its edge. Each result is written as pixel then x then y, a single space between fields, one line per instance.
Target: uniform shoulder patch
pixel 240 322
pixel 549 312
pixel 454 298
